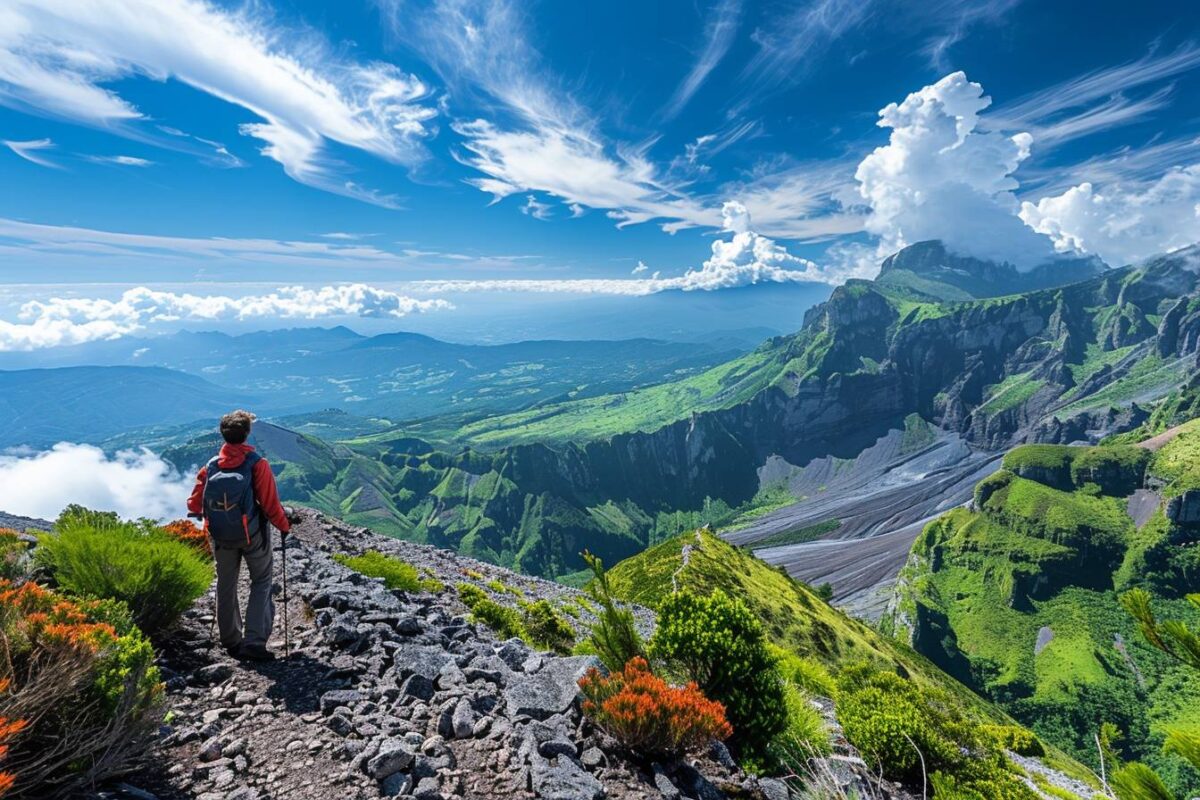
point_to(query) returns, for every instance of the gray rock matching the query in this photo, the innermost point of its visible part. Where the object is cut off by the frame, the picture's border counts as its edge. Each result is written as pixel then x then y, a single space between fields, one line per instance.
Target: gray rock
pixel 394 755
pixel 773 789
pixel 513 653
pixel 428 789
pixel 212 674
pixel 557 747
pixel 408 626
pixel 338 698
pixel 210 750
pixel 592 758
pixel 663 784
pixel 424 660
pixel 418 686
pixel 562 779
pixel 551 690
pixel 463 720
pixel 395 785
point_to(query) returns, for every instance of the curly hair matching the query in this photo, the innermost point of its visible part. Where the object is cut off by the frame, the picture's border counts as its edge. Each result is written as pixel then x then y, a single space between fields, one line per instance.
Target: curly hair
pixel 235 426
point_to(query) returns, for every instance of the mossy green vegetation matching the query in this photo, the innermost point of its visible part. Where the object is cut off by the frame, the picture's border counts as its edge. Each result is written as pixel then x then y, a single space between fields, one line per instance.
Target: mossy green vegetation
pixel 1017 597
pixel 396 573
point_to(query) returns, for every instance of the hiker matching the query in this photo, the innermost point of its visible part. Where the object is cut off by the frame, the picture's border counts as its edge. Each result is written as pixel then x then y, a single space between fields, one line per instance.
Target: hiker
pixel 236 496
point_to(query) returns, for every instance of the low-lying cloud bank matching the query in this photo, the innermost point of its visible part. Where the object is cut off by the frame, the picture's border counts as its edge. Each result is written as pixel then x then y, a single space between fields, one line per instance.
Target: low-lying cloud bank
pixel 67 320
pixel 132 483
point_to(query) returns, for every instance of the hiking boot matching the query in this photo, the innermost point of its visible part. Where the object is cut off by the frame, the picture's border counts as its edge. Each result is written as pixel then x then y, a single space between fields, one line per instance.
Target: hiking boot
pixel 255 652
pixel 232 649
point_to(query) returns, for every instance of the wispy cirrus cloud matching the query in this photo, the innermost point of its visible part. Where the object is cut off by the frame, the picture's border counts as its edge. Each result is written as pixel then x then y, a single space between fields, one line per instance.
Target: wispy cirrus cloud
pixel 121 161
pixel 60 58
pixel 31 150
pixel 1096 100
pixel 720 28
pixel 540 139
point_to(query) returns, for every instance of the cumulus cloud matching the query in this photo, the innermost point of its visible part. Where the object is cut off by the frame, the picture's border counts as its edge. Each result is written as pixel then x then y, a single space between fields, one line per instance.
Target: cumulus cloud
pixel 67 320
pixel 940 177
pixel 30 150
pixel 1122 223
pixel 61 58
pixel 744 259
pixel 132 483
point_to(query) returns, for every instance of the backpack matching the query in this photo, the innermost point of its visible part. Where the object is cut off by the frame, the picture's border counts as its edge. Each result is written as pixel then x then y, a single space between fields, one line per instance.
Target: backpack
pixel 231 510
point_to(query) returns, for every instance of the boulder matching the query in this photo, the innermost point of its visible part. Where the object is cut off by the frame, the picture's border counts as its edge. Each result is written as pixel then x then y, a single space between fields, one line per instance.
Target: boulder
pixel 551 690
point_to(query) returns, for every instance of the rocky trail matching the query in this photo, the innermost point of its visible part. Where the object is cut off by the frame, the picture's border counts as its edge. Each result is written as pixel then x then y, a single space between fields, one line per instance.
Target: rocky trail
pixel 394 694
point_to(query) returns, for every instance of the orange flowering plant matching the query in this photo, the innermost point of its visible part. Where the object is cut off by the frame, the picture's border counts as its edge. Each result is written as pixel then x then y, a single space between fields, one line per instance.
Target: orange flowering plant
pixel 78 688
pixel 649 716
pixel 191 534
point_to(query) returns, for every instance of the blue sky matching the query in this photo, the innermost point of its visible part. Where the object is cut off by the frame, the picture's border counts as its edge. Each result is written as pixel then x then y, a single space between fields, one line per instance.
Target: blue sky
pixel 208 151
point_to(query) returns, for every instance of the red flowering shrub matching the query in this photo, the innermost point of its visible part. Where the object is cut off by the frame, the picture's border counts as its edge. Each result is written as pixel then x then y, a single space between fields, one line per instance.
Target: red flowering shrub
pixel 649 716
pixel 190 534
pixel 78 689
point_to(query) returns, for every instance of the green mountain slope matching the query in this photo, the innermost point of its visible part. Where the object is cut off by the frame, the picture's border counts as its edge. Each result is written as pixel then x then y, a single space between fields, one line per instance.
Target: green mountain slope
pixel 794 618
pixel 1017 595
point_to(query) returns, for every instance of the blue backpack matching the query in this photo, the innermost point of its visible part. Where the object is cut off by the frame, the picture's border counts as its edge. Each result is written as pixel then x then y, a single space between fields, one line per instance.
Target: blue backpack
pixel 231 511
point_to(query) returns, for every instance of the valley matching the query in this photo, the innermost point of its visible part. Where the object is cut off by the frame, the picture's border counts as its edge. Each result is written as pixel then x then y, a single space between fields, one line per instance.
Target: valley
pixel 826 451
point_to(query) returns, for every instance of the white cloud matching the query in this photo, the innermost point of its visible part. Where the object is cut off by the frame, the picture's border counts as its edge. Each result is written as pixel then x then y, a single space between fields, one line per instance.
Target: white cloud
pixel 43 239
pixel 31 151
pixel 791 44
pixel 744 259
pixel 132 483
pixel 535 208
pixel 68 320
pixel 719 31
pixel 59 57
pixel 939 177
pixel 1122 223
pixel 1096 100
pixel 122 161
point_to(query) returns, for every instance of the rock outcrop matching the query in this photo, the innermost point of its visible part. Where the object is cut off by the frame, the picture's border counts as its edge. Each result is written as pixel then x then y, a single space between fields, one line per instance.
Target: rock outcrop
pixel 389 694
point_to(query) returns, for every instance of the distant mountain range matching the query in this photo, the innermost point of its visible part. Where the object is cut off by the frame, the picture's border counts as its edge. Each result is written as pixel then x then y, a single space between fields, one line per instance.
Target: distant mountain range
pixel 401 376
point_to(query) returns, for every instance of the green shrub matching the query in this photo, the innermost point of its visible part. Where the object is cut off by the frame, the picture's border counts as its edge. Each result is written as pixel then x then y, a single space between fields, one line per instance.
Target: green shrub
pixel 806 734
pixel 471 594
pixel 614 636
pixel 716 642
pixel 505 621
pixel 1017 739
pixel 396 573
pixel 546 628
pixel 96 555
pixel 13 555
pixel 909 733
pixel 807 674
pixel 1139 782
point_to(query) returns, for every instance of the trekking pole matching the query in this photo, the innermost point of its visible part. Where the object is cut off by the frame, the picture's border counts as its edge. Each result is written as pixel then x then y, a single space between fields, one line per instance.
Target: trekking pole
pixel 287 628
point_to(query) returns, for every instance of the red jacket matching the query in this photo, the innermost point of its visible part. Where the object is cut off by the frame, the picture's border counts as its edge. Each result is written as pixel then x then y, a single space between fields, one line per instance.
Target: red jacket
pixel 231 456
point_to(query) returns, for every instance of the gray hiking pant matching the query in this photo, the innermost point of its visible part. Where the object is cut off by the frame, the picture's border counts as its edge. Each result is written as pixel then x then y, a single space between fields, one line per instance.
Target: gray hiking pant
pixel 260 610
